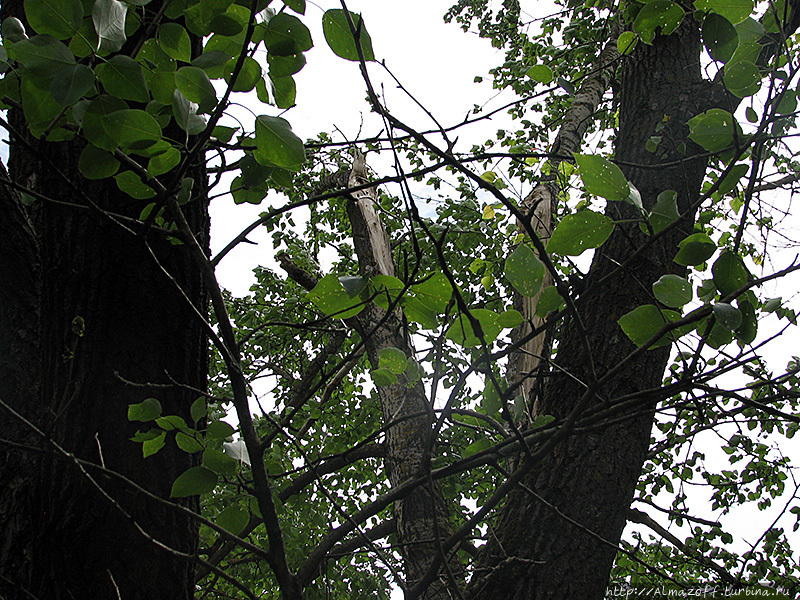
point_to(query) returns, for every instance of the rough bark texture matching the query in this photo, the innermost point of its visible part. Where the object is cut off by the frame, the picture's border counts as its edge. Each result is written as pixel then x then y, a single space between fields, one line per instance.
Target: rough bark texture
pixel 421 517
pixel 102 307
pixel 538 550
pixel 525 366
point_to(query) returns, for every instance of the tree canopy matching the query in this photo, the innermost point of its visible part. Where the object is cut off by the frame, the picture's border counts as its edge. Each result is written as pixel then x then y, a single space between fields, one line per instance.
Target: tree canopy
pixel 542 366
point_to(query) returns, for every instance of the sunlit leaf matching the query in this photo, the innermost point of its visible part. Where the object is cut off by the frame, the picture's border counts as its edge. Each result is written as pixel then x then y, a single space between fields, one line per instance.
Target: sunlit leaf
pixel 713 129
pixel 525 271
pixel 733 10
pixel 393 359
pixel 276 143
pixel 579 232
pixel 331 298
pixel 540 73
pixel 602 178
pixel 657 16
pixel 463 333
pixel 643 322
pixel 672 290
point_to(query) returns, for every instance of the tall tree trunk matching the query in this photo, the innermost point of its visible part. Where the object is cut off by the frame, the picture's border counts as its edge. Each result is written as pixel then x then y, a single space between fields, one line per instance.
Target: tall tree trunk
pixel 557 533
pixel 104 310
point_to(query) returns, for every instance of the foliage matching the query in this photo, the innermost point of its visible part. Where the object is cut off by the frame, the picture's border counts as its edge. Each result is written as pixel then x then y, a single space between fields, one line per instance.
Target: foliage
pixel 147 94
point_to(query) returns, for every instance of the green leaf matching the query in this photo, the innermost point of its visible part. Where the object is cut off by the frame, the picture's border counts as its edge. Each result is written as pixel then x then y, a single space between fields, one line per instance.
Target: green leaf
pixel 132 128
pixel 661 14
pixel 579 232
pixel 719 36
pixel 602 178
pixel 354 285
pixel 729 273
pixel 163 163
pixel 747 331
pixel 626 42
pixel 122 77
pixel 392 359
pixel 284 92
pixel 727 315
pixel 695 249
pixel 735 11
pixel 219 462
pixel 713 129
pixel 199 409
pixel 147 410
pixel 42 55
pixel 298 6
pixel 665 211
pixel 59 18
pixel 95 163
pixel 94 119
pixel 732 178
pixel 196 87
pixel 643 322
pixel 509 319
pixel 525 271
pixel 150 447
pixel 749 30
pixel 462 333
pixel 434 293
pixel 331 298
pixel 341 38
pixel 284 66
pixel 383 377
pixel 71 84
pixel 130 183
pixel 286 35
pixel 171 423
pixel 109 17
pixel 219 430
pixel 742 78
pixel 549 300
pixel 249 75
pixel 13 30
pixel 540 73
pixel 672 290
pixel 194 481
pixel 233 519
pixel 187 443
pixel 174 40
pixel 277 145
pixel 185 114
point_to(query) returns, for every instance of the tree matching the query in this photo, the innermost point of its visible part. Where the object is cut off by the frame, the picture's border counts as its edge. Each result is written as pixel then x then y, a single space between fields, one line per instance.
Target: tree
pixel 400 437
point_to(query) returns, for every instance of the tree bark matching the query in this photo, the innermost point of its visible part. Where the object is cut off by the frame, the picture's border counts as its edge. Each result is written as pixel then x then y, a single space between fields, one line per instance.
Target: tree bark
pixel 90 304
pixel 557 534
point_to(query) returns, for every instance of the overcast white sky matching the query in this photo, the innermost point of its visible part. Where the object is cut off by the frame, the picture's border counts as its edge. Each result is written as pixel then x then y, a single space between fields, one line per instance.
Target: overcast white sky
pixel 436 62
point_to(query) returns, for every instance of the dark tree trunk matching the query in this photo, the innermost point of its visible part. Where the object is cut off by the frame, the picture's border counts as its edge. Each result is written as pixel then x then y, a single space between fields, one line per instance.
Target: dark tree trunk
pixel 556 536
pixel 83 304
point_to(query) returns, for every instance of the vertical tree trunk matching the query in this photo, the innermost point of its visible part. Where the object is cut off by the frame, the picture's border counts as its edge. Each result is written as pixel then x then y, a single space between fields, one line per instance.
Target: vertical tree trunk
pixel 556 536
pixel 105 310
